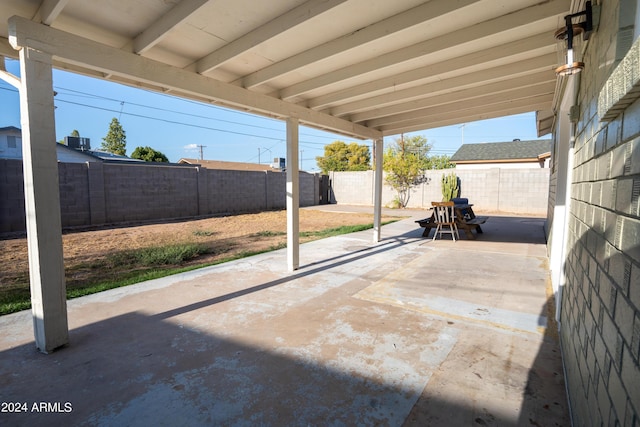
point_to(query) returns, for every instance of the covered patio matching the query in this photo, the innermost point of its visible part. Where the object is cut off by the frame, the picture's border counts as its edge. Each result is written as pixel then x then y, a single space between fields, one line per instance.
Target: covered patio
pixel 349 326
pixel 354 67
pixel 403 332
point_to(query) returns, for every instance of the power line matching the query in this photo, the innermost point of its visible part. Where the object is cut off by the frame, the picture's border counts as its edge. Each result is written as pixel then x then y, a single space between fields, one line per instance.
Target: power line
pixel 200 104
pixel 169 121
pixel 73 92
pixel 166 109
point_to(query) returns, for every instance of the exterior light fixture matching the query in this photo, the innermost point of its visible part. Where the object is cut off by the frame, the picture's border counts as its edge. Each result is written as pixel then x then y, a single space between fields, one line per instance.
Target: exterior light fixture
pixel 569 45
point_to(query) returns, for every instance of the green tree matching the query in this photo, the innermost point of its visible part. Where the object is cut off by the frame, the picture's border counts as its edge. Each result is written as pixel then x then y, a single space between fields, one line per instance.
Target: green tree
pixel 338 156
pixel 148 154
pixel 406 162
pixel 440 162
pixel 116 140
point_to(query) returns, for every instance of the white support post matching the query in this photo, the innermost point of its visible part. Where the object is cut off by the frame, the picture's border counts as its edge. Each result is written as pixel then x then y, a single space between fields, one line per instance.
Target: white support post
pixel 378 148
pixel 42 201
pixel 293 196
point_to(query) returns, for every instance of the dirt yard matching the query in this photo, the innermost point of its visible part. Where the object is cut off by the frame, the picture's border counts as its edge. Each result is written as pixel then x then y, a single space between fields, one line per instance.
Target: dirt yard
pixel 223 237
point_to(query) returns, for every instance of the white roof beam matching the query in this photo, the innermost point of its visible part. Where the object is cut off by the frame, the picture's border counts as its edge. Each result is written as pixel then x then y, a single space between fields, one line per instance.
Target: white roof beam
pixel 399 22
pixel 89 54
pixel 473 114
pixel 459 102
pixel 50 9
pixel 434 99
pixel 282 23
pixel 395 82
pixel 159 29
pixel 6 50
pixel 526 16
pixel 369 106
pixel 7 76
pixel 479 115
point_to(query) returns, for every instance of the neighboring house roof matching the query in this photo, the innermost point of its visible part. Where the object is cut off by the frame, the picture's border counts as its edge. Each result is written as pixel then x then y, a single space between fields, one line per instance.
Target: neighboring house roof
pixel 513 151
pixel 70 155
pixel 103 155
pixel 8 129
pixel 219 164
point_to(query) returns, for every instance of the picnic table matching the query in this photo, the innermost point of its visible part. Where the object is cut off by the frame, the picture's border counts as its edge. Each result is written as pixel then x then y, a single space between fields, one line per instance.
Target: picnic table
pixel 465 218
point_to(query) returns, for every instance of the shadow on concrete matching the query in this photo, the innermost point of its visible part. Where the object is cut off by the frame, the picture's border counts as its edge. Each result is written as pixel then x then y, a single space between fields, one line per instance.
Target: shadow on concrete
pixel 318 267
pixel 506 229
pixel 545 389
pixel 139 370
pixel 543 400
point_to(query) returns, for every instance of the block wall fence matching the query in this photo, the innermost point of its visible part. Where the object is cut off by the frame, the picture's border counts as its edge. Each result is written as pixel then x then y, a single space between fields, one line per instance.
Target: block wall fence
pixel 521 191
pixel 99 193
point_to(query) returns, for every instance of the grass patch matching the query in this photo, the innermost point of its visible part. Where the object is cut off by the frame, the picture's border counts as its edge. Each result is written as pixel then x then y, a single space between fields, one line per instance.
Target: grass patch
pixel 345 229
pixel 15 299
pixel 203 233
pixel 135 266
pixel 158 255
pixel 269 234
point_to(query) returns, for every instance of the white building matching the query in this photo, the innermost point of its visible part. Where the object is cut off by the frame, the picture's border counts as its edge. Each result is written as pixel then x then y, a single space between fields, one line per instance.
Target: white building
pixel 10 143
pixel 11 148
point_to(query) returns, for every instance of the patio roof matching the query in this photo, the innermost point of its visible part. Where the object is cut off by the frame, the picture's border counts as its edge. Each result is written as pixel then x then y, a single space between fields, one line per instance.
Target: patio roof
pixel 362 68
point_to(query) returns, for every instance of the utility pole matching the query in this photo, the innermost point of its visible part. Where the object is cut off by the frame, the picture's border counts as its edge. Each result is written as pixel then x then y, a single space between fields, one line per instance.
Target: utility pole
pixel 201 152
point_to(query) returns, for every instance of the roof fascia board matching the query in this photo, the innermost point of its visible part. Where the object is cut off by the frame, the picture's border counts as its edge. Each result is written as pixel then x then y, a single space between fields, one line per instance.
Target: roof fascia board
pixel 69 48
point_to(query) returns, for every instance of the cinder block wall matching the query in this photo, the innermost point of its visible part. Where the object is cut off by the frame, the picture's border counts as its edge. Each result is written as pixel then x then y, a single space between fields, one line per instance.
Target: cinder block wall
pixel 139 193
pixel 236 191
pixel 111 193
pixel 74 194
pixel 11 196
pixel 600 317
pixel 522 191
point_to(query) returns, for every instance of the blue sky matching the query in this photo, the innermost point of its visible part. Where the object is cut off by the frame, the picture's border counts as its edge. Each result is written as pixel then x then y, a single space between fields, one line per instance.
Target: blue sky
pixel 177 127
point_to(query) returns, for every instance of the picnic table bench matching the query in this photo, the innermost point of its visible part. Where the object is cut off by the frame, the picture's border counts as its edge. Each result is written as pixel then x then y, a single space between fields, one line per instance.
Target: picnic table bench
pixel 466 220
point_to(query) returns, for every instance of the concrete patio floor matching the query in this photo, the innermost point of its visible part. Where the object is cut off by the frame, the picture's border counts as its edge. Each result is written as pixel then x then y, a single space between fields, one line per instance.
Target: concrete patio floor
pixel 404 332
